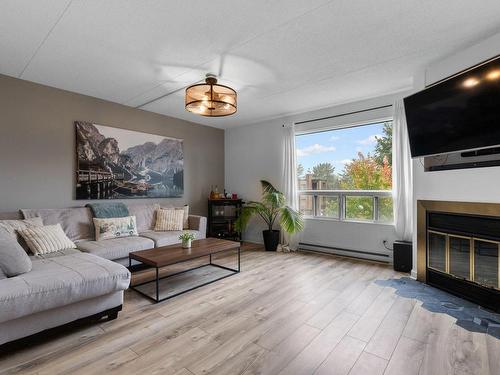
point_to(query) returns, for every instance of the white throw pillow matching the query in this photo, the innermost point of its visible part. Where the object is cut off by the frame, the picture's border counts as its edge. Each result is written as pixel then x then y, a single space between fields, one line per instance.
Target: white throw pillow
pixel 169 219
pixel 46 239
pixel 185 210
pixel 115 227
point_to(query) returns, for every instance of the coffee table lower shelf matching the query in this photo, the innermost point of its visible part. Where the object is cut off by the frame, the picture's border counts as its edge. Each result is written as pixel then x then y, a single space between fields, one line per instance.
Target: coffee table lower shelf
pixel 157 279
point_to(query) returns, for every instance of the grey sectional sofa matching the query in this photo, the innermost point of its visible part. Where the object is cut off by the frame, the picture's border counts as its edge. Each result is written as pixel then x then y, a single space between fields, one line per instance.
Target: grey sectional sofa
pixel 77 283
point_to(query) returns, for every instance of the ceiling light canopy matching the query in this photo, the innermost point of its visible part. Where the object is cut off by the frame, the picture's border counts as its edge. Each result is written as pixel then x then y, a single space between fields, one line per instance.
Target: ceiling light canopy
pixel 211 99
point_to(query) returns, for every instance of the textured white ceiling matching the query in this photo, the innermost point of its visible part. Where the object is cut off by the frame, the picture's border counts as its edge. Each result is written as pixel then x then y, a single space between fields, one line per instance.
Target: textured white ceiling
pixel 283 56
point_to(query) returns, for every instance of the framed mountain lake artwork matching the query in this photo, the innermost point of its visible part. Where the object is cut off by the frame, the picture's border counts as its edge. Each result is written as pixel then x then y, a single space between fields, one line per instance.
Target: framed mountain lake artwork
pixel 115 163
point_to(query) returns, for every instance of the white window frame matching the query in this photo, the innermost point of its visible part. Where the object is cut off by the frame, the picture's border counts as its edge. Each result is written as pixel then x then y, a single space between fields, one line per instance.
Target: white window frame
pixel 343 194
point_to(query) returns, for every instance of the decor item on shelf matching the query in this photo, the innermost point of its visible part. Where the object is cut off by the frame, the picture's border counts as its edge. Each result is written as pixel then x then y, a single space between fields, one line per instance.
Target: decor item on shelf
pixel 187 238
pixel 116 163
pixel 210 98
pixel 272 207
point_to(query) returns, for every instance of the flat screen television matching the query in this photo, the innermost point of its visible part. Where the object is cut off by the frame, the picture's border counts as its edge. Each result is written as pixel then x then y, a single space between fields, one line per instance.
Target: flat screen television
pixel 461 113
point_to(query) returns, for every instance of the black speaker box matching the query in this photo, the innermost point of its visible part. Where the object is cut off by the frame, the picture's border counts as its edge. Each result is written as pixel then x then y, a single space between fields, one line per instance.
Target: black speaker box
pixel 402 256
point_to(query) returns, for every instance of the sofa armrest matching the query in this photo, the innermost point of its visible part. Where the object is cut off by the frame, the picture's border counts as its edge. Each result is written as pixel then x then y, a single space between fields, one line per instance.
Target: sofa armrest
pixel 198 223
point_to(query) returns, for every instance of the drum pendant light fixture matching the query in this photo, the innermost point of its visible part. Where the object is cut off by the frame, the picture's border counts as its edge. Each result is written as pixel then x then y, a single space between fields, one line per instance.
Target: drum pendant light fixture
pixel 210 99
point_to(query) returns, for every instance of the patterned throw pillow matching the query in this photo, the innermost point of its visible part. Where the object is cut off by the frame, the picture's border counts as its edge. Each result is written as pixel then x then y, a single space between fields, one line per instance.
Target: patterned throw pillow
pixel 185 210
pixel 106 229
pixel 169 219
pixel 46 239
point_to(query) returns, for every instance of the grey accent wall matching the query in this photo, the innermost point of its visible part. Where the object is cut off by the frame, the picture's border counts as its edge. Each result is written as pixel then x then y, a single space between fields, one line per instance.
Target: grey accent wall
pixel 37 146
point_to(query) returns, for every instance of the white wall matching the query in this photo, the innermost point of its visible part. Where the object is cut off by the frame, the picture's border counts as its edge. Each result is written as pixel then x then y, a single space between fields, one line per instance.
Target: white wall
pixel 254 152
pixel 466 185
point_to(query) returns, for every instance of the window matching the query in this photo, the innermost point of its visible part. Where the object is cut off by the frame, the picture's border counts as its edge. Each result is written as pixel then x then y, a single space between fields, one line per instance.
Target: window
pixel 346 173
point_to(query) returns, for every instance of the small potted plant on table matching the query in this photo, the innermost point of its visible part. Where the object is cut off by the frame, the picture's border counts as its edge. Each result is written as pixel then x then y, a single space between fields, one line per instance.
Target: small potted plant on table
pixel 272 208
pixel 186 239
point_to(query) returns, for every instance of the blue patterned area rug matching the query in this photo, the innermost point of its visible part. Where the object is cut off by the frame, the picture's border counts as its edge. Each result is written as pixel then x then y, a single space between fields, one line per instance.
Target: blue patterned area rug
pixel 469 316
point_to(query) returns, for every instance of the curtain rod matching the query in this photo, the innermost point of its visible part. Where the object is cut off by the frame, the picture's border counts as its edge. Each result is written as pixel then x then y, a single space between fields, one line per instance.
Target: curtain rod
pixel 343 114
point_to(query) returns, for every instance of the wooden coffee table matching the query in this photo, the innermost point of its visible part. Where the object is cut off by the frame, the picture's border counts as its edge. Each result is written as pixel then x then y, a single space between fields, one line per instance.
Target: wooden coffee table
pixel 174 254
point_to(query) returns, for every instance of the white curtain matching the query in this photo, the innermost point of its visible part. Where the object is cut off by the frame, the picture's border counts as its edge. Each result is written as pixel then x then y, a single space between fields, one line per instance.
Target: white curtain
pixel 402 174
pixel 289 183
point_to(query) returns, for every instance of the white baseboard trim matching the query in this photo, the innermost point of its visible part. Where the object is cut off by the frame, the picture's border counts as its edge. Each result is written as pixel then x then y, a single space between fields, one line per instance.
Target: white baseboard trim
pixel 358 254
pixel 254 240
pixel 413 274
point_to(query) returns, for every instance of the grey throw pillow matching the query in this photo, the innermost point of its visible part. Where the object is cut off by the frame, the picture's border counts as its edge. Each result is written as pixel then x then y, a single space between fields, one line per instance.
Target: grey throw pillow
pixel 13 226
pixel 13 259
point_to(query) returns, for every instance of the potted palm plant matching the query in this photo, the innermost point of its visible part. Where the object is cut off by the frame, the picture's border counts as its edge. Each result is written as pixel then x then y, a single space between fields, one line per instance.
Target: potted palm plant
pixel 272 209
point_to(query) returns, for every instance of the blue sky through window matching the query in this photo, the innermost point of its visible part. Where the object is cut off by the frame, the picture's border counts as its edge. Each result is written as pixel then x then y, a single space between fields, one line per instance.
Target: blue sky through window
pixel 337 147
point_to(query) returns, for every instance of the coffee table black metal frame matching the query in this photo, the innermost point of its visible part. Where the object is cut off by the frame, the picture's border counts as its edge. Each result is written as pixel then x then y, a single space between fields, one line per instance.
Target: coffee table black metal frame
pixel 158 278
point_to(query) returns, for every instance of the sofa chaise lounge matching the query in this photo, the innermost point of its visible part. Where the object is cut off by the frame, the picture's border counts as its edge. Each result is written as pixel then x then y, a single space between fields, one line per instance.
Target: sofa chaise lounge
pixel 77 283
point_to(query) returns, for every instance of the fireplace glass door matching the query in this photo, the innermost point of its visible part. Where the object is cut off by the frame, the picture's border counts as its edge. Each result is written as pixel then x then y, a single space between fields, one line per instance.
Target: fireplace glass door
pixel 437 257
pixel 460 259
pixel 463 256
pixel 466 258
pixel 486 266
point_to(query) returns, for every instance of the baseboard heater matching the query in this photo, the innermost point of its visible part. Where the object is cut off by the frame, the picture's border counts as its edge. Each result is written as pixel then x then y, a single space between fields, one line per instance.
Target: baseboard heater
pixel 358 254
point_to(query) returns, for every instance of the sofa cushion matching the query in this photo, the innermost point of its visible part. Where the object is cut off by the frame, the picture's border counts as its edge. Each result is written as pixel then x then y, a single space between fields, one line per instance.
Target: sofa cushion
pixel 11 215
pixel 60 281
pixel 198 223
pixel 169 237
pixel 46 239
pixel 168 219
pixel 115 248
pixel 185 210
pixel 12 226
pixel 106 229
pixel 76 222
pixel 13 259
pixel 145 215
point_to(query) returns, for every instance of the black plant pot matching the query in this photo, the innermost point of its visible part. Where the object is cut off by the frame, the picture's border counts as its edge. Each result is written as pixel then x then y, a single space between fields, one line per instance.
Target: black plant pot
pixel 271 239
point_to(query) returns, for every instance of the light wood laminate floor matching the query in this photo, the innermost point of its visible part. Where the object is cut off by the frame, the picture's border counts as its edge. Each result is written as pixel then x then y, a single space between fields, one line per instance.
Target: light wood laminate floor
pixel 283 314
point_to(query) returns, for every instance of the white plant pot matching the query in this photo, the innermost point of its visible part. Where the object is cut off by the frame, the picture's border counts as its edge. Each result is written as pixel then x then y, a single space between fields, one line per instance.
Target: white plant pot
pixel 186 244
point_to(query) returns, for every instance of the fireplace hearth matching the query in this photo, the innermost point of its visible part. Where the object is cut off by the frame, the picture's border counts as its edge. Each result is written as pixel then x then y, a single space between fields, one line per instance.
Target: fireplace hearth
pixel 459 246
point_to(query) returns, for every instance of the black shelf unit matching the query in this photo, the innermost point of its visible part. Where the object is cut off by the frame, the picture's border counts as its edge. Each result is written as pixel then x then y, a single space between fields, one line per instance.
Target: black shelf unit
pixel 222 213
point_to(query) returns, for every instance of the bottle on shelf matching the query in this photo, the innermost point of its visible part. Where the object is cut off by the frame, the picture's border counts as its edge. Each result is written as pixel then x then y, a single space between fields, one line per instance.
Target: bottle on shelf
pixel 212 193
pixel 216 193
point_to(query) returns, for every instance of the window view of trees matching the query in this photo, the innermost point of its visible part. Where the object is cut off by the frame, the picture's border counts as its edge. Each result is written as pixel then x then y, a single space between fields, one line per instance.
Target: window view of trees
pixel 368 166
